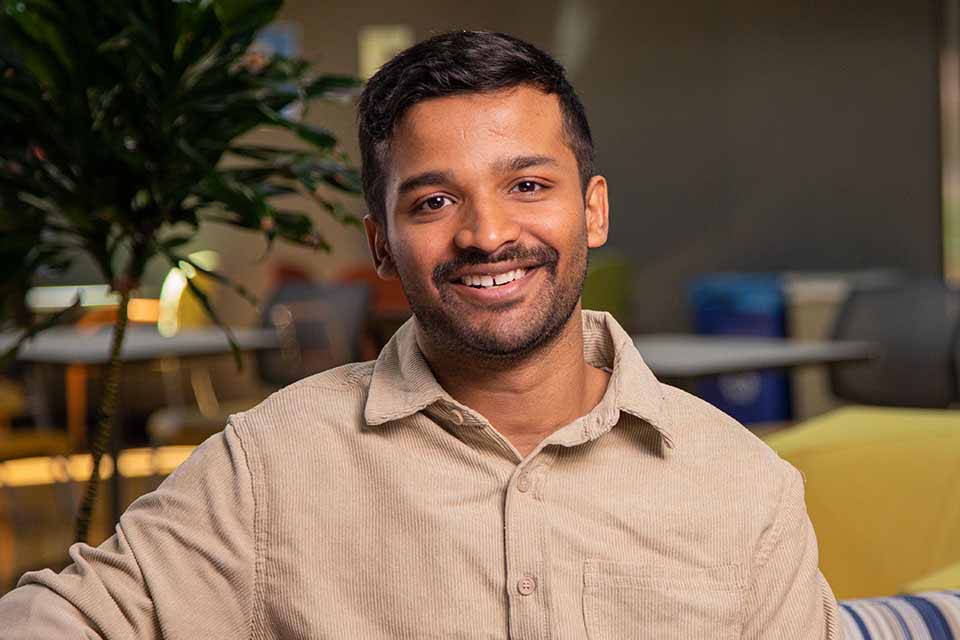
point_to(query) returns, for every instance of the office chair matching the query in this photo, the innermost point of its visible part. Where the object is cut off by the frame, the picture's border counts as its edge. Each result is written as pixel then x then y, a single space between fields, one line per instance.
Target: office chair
pixel 914 326
pixel 880 473
pixel 319 327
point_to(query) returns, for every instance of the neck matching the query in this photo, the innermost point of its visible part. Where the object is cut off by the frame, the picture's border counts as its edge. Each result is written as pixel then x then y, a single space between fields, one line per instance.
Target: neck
pixel 528 398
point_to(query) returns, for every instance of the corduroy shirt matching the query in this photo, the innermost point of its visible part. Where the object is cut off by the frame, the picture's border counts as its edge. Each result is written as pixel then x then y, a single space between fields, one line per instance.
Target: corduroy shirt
pixel 365 502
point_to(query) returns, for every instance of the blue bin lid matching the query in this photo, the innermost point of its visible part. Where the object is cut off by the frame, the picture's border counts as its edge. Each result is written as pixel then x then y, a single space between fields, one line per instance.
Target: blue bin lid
pixel 760 293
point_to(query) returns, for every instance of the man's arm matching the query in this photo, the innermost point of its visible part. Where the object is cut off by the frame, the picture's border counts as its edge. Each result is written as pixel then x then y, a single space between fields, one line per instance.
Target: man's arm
pixel 788 596
pixel 181 564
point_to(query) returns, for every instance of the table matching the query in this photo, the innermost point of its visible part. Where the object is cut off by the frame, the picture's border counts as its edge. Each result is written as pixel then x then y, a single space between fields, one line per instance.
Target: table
pixel 686 357
pixel 64 345
pixel 77 351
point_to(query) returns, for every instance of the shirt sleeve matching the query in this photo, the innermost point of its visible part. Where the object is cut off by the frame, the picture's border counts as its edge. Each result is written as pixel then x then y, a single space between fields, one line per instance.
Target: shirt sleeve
pixel 788 596
pixel 181 564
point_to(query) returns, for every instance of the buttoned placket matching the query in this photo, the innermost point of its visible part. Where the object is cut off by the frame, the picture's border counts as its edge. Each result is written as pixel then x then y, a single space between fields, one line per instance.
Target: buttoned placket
pixel 524 527
pixel 527 569
pixel 526 560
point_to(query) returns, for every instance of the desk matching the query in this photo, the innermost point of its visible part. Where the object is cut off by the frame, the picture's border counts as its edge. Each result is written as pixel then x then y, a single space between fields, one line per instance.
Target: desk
pixel 77 351
pixel 63 345
pixel 686 357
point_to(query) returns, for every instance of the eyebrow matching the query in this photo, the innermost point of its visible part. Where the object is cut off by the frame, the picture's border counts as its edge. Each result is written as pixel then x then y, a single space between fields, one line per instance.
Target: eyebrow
pixel 507 165
pixel 519 163
pixel 425 179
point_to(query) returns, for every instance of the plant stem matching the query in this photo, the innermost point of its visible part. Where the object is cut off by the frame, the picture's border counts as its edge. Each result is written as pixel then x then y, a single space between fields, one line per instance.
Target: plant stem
pixel 108 406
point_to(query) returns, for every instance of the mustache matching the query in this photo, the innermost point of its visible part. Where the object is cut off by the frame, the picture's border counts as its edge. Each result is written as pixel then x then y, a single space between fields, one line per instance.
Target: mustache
pixel 541 255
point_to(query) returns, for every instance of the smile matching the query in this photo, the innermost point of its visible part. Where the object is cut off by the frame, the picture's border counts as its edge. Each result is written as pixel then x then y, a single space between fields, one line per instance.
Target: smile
pixel 485 281
pixel 495 290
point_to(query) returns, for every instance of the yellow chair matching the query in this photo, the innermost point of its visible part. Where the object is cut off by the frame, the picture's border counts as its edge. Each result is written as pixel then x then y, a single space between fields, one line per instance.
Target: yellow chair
pixel 883 492
pixel 940 580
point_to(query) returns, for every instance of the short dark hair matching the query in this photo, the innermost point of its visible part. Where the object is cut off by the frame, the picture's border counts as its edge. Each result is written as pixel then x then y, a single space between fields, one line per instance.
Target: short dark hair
pixel 456 63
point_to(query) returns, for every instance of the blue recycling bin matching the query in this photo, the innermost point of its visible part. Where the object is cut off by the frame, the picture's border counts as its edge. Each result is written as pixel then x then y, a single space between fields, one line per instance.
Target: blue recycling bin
pixel 744 305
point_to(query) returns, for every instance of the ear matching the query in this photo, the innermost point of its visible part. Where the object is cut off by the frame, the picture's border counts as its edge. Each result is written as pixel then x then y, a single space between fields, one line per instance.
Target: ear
pixel 379 248
pixel 597 211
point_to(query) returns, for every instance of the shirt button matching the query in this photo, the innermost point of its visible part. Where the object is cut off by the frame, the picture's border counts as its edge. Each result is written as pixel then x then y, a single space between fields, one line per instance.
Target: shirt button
pixel 526 585
pixel 457 417
pixel 523 482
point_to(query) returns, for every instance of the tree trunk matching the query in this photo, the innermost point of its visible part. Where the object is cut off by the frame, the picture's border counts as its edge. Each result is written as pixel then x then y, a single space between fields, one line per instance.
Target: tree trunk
pixel 108 406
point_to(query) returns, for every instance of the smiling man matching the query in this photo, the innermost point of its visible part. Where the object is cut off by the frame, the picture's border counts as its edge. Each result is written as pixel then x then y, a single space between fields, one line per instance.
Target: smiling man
pixel 484 204
pixel 508 467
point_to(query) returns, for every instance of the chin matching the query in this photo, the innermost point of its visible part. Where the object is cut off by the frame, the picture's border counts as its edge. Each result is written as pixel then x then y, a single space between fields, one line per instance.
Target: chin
pixel 506 342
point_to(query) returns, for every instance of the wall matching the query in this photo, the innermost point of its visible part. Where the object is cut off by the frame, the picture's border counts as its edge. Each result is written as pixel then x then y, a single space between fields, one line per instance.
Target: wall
pixel 735 134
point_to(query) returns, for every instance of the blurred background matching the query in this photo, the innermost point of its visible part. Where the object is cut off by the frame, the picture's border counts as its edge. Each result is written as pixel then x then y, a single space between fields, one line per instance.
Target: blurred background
pixel 785 241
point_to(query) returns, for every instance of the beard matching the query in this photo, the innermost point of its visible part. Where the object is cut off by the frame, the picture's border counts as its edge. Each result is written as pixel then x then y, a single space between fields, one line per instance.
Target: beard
pixel 454 325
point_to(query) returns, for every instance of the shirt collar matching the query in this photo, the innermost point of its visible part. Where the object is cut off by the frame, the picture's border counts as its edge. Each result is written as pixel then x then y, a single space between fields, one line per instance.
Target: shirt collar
pixel 403 384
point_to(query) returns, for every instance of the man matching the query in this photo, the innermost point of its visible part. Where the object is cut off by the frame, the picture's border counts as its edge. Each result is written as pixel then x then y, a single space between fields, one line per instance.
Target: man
pixel 508 467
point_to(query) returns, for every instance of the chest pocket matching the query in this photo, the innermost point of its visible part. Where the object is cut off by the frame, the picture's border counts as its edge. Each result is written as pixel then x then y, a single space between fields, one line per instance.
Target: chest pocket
pixel 634 601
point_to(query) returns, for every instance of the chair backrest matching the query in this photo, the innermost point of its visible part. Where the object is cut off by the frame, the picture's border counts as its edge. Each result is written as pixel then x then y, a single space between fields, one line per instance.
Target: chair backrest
pixel 319 327
pixel 914 326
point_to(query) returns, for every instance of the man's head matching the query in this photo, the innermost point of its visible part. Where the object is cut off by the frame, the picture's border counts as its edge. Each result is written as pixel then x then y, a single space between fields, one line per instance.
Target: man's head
pixel 478 171
pixel 457 63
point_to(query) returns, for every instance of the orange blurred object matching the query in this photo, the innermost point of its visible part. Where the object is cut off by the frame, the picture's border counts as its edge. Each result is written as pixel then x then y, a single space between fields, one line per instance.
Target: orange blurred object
pixel 140 310
pixel 388 298
pixel 144 310
pixel 388 307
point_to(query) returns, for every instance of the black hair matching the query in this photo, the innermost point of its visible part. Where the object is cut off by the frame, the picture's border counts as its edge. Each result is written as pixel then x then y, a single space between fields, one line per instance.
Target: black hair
pixel 457 63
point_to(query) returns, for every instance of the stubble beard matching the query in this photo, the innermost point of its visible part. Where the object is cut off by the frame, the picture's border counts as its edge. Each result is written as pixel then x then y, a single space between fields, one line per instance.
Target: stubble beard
pixel 451 325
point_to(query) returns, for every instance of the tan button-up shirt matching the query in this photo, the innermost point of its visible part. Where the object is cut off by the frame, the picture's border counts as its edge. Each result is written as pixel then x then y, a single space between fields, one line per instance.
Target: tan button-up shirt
pixel 367 503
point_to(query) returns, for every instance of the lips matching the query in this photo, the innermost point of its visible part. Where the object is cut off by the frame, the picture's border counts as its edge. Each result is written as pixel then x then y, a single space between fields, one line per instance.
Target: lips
pixel 472 263
pixel 487 280
pixel 490 295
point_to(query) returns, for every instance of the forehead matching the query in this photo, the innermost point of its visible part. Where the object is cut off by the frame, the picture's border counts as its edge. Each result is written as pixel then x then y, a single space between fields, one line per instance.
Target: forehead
pixel 477 129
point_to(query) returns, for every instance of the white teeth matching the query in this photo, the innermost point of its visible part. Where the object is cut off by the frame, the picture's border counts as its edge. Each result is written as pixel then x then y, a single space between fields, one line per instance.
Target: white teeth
pixel 487 280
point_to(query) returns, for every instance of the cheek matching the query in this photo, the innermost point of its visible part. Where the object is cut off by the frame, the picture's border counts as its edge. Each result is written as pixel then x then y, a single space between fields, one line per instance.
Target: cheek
pixel 415 261
pixel 565 231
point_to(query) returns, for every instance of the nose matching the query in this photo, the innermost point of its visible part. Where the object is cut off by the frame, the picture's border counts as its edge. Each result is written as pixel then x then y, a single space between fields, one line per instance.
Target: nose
pixel 486 227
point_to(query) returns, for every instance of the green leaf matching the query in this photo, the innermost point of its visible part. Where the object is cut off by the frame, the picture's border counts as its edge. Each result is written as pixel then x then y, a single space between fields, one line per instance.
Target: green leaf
pixel 327 86
pixel 35 57
pixel 115 116
pixel 215 318
pixel 317 136
pixel 298 227
pixel 257 152
pixel 198 31
pixel 242 291
pixel 174 241
pixel 241 16
pixel 117 42
pixel 339 212
pixel 239 199
pixel 29 332
pixel 39 22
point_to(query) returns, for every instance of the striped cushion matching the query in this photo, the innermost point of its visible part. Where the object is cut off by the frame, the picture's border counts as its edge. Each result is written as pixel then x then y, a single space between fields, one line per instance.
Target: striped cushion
pixel 934 615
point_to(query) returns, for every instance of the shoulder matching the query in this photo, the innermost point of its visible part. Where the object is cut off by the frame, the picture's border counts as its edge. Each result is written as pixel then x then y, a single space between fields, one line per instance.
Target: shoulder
pixel 719 446
pixel 333 399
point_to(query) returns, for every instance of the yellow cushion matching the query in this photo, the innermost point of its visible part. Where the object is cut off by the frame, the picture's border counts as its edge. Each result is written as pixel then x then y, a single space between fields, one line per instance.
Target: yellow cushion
pixel 883 492
pixel 940 580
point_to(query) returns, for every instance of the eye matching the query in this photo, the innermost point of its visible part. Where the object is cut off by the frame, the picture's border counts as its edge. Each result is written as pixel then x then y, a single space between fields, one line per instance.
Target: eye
pixel 527 186
pixel 434 203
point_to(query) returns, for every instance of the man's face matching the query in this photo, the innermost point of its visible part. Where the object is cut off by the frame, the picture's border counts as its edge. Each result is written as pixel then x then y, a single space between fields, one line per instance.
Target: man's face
pixel 487 224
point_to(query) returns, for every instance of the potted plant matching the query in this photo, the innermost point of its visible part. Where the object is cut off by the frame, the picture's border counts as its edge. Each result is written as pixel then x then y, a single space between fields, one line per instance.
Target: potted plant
pixel 117 118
